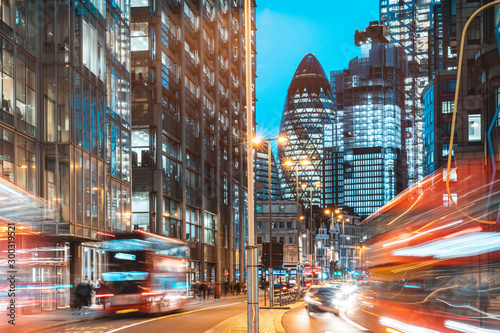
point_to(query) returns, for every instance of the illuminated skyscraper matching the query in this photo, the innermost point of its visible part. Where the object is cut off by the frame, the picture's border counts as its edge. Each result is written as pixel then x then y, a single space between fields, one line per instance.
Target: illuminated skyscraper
pixel 308 107
pixel 188 124
pixel 409 22
pixel 261 171
pixel 369 99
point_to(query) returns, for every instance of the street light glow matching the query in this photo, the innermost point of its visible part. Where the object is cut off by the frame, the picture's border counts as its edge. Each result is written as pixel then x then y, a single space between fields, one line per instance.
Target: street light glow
pixel 327 212
pixel 305 161
pixel 282 139
pixel 288 163
pixel 304 186
pixel 257 140
pixel 317 185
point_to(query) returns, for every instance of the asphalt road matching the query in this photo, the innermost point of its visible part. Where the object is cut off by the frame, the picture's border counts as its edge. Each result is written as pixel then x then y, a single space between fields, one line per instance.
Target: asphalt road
pixel 194 319
pixel 298 321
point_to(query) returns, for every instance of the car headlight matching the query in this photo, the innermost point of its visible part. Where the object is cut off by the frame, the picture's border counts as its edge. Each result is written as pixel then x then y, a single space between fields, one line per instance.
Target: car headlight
pixel 307 298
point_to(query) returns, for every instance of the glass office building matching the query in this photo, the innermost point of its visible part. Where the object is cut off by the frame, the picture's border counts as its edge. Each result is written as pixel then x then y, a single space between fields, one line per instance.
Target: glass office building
pixel 370 96
pixel 308 107
pixel 261 172
pixel 409 22
pixel 65 118
pixel 188 129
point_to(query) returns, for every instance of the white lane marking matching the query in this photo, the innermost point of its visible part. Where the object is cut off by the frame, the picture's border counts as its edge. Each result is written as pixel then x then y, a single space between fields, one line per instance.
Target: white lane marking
pixel 349 321
pixel 170 316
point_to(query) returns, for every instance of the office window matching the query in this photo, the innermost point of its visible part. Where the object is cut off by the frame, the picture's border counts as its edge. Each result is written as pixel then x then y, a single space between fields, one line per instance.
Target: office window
pixel 447 106
pixel 282 240
pixel 259 240
pixel 282 225
pixel 453 174
pixel 474 127
pixel 447 201
pixel 289 225
pixel 282 209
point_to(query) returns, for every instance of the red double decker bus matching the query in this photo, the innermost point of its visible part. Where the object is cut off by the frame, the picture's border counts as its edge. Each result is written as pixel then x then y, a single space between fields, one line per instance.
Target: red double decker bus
pixel 433 257
pixel 311 275
pixel 144 272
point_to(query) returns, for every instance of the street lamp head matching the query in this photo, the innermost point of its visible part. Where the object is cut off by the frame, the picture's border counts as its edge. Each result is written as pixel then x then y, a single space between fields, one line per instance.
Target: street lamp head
pixel 282 139
pixel 257 140
pixel 302 217
pixel 317 185
pixel 327 212
pixel 305 161
pixel 288 163
pixel 347 219
pixel 304 186
pixel 304 235
pixel 337 211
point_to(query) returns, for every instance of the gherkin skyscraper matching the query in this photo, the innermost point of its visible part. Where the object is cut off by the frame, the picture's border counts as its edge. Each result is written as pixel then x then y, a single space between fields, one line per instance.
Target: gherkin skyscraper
pixel 308 107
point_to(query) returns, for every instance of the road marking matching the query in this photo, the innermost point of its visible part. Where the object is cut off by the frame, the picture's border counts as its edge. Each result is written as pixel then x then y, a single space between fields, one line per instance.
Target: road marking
pixel 349 321
pixel 170 316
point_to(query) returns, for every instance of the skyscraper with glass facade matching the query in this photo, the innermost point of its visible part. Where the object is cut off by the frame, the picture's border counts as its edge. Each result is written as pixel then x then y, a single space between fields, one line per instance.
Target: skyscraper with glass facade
pixel 189 129
pixel 370 96
pixel 409 22
pixel 308 108
pixel 261 171
pixel 65 118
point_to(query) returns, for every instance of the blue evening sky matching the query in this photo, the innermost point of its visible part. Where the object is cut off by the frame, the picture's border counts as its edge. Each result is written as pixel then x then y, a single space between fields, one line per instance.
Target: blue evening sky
pixel 287 30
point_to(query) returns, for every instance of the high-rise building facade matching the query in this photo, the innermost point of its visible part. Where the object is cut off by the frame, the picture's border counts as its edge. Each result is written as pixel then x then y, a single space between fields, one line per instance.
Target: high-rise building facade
pixel 66 119
pixel 308 108
pixel 371 98
pixel 261 171
pixel 477 127
pixel 188 129
pixel 409 22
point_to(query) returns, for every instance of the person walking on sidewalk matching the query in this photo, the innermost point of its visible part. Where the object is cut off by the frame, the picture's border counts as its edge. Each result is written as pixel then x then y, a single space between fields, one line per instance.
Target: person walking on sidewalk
pixel 237 286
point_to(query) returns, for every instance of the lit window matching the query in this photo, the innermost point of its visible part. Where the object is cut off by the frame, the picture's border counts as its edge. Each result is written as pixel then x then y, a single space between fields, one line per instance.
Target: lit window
pixel 447 106
pixel 453 175
pixel 474 127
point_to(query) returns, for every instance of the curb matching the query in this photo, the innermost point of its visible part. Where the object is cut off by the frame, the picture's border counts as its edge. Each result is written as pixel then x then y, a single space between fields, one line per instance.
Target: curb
pixel 277 320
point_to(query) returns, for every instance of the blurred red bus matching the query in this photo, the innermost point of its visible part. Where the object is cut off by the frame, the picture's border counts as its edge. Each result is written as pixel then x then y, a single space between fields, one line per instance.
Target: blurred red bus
pixel 144 272
pixel 434 266
pixel 311 275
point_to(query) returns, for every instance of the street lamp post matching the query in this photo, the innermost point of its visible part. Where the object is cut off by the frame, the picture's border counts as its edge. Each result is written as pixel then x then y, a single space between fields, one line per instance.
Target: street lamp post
pixel 258 140
pixel 312 225
pixel 253 291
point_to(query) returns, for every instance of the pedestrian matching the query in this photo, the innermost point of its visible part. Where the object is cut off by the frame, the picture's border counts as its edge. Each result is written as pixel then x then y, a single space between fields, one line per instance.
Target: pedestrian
pixel 82 297
pixel 237 286
pixel 225 287
pixel 203 290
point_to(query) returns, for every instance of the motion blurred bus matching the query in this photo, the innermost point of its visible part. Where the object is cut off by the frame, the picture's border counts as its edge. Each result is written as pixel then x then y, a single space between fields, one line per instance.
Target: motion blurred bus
pixel 432 257
pixel 34 273
pixel 144 272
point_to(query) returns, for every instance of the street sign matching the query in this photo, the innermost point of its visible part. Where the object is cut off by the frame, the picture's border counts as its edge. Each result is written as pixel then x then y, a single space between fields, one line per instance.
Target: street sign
pixel 277 260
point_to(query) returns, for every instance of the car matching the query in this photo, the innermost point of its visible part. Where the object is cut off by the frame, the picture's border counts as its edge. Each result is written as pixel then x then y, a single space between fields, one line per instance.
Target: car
pixel 323 298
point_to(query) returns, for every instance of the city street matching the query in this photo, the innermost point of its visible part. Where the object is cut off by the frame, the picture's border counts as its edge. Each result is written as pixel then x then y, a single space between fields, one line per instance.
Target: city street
pixel 196 318
pixel 297 321
pixel 212 316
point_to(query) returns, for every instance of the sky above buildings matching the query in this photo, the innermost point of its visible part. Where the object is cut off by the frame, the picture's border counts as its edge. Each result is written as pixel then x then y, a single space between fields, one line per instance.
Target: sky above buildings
pixel 287 30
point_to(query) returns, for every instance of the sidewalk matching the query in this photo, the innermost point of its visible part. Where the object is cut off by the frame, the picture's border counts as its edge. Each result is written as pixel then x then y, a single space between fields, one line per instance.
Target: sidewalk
pixel 269 320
